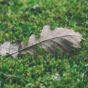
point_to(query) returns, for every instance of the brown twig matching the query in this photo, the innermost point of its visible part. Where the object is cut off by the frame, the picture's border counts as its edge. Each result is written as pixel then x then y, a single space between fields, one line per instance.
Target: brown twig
pixel 13 76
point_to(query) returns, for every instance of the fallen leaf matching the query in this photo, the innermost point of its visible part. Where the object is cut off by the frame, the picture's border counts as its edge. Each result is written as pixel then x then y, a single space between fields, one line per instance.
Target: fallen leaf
pixel 51 40
pixel 35 7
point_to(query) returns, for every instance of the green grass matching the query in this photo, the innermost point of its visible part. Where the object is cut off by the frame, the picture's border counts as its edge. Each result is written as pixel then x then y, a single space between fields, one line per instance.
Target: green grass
pixel 18 24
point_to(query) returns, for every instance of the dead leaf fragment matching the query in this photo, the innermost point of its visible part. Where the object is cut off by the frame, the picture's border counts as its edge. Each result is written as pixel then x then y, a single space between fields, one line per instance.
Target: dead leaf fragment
pixel 51 40
pixel 9 48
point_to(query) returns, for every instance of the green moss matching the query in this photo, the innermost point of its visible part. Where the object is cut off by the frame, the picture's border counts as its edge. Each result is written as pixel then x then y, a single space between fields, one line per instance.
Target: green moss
pixel 18 23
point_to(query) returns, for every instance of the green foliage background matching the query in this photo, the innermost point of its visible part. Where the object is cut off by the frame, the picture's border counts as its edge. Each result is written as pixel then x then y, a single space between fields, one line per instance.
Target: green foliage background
pixel 18 22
